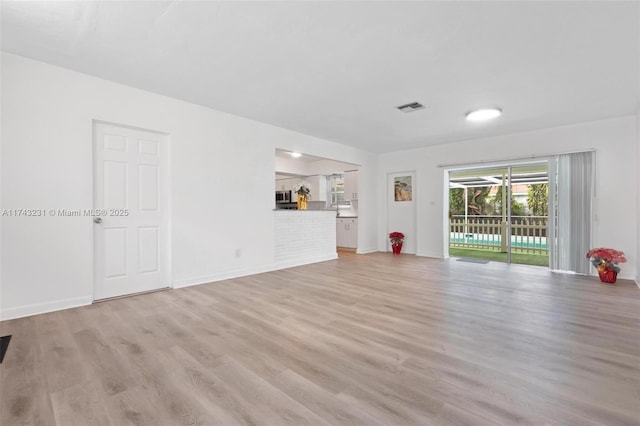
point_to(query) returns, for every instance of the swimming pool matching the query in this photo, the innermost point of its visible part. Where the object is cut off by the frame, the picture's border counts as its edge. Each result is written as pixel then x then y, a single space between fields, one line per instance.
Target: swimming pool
pixel 494 240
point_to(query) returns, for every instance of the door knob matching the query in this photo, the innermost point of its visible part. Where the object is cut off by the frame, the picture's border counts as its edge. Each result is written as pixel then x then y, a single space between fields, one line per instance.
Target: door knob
pixel 97 220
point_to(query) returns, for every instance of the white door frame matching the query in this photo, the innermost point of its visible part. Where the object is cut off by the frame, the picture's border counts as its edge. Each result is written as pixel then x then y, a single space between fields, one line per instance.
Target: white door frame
pixel 390 199
pixel 507 165
pixel 166 200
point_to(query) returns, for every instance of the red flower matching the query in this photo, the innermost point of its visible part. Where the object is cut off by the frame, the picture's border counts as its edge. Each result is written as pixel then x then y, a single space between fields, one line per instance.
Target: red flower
pixel 609 254
pixel 396 237
pixel 606 258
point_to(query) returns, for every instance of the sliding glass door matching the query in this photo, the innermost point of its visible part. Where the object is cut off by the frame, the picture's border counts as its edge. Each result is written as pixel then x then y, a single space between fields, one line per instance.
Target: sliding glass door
pixel 500 214
pixel 529 214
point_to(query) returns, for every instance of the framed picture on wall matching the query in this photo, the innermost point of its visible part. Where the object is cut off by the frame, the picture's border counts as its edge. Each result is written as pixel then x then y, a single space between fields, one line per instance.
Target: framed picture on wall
pixel 402 188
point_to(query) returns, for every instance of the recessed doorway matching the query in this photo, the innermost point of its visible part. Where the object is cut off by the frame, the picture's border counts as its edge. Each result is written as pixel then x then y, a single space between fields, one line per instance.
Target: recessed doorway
pixel 500 213
pixel 131 211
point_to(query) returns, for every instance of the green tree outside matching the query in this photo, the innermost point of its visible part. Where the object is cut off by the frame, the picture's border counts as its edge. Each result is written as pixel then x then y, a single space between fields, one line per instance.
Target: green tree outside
pixel 517 209
pixel 481 203
pixel 476 199
pixel 538 199
pixel 456 201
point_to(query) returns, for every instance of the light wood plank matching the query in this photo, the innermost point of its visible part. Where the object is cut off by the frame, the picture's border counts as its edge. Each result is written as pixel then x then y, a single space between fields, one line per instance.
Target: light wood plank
pixel 366 339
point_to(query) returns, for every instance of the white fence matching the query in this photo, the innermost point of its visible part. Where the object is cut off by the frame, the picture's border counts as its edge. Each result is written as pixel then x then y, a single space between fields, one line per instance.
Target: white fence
pixel 528 233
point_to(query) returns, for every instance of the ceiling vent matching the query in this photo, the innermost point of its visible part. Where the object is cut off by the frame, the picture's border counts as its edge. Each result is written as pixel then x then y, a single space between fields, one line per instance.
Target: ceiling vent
pixel 413 106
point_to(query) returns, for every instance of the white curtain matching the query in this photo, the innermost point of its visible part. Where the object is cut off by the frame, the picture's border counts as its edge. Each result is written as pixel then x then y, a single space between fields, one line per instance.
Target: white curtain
pixel 571 192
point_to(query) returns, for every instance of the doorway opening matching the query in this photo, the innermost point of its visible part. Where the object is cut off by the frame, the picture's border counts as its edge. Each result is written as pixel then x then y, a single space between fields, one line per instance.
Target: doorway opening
pixel 332 185
pixel 500 213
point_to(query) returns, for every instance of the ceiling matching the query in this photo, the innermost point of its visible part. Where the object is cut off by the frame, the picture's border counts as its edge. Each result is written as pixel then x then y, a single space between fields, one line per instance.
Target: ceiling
pixel 337 70
pixel 305 158
pixel 307 165
pixel 286 155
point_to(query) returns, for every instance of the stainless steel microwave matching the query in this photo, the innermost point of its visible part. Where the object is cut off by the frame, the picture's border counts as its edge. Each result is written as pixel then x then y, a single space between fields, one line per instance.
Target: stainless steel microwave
pixel 283 196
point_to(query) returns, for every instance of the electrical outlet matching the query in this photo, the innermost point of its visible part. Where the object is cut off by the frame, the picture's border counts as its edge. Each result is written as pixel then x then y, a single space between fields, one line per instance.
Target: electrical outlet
pixel 238 252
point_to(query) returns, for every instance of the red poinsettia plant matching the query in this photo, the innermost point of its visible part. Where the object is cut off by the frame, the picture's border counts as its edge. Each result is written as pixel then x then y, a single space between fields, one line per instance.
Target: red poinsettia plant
pixel 396 237
pixel 603 258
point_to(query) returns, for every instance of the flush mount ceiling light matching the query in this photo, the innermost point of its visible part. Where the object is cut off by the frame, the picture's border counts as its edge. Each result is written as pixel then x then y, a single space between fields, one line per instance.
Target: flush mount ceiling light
pixel 413 106
pixel 483 114
pixel 296 155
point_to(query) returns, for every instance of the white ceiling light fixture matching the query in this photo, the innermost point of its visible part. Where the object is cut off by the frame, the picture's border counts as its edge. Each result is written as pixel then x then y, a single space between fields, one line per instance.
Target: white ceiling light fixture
pixel 483 114
pixel 296 155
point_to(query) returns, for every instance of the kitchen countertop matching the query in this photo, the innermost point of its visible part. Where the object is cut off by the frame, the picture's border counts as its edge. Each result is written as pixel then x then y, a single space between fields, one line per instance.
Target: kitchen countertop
pixel 307 210
pixel 342 216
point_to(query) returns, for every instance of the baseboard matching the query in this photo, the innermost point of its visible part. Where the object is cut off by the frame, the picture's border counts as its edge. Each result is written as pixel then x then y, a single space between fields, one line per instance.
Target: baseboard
pixel 228 275
pixel 304 261
pixel 43 308
pixel 252 271
pixel 367 250
pixel 431 255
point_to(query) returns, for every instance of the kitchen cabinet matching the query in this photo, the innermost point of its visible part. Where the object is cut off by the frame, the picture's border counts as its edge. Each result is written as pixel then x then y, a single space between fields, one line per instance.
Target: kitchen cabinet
pixel 318 187
pixel 317 183
pixel 351 184
pixel 347 232
pixel 287 184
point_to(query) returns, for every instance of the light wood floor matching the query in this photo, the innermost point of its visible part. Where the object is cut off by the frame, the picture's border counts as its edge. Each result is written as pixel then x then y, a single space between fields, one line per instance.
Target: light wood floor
pixel 367 339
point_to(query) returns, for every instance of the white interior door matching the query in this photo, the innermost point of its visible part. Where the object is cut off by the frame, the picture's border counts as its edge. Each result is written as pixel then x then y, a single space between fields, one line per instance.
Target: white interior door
pixel 130 211
pixel 401 208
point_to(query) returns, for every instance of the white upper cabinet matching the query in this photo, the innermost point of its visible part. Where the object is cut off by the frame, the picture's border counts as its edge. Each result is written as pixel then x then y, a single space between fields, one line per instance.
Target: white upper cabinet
pixel 287 184
pixel 318 187
pixel 351 185
pixel 317 183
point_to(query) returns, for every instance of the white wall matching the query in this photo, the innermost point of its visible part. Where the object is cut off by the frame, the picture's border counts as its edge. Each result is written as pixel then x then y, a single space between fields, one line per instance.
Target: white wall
pixel 320 167
pixel 401 215
pixel 304 237
pixel 638 197
pixel 290 165
pixel 222 172
pixel 615 141
pixel 328 167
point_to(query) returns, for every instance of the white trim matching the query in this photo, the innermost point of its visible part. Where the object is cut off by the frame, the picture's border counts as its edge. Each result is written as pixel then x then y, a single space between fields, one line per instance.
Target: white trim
pixel 128 126
pixel 206 279
pixel 390 199
pixel 43 308
pixel 304 261
pixel 431 255
pixel 239 273
pixel 367 250
pixel 446 210
pixel 165 143
pixel 505 160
